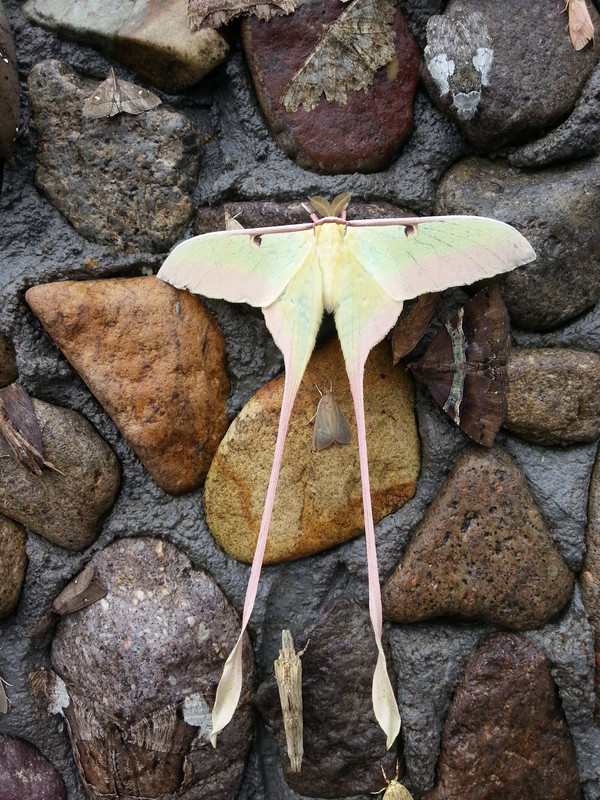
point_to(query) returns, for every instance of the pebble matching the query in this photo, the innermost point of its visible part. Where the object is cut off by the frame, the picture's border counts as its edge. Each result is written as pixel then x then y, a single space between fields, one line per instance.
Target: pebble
pixel 505 734
pixel 557 210
pixel 318 502
pixel 153 39
pixel 554 395
pixel 66 507
pixel 482 552
pixel 155 360
pixel 26 774
pixel 355 129
pixel 487 66
pixel 136 675
pixel 125 181
pixel 13 564
pixel 343 745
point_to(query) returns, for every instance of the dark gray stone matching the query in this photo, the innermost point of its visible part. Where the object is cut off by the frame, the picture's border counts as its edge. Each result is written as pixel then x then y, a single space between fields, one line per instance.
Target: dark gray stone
pixel 577 137
pixel 127 180
pixel 557 211
pixel 487 66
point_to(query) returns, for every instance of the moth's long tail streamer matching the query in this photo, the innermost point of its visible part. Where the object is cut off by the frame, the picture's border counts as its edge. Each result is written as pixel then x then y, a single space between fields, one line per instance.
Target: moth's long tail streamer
pixel 230 685
pixel 384 697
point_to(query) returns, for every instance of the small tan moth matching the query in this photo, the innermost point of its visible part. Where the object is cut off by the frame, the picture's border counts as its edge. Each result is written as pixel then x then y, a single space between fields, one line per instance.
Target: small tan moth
pixel 288 674
pixel 81 592
pixel 394 789
pixel 330 423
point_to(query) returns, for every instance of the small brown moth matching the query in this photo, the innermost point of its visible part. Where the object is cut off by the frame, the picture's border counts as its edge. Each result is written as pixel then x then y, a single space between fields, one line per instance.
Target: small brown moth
pixel 20 435
pixel 394 789
pixel 81 592
pixel 330 423
pixel 114 96
pixel 409 330
pixel 464 366
pixel 288 674
pixel 581 27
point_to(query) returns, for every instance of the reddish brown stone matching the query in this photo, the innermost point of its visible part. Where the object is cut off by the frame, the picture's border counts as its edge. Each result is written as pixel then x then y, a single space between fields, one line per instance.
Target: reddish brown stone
pixel 482 551
pixel 25 774
pixel 154 358
pixel 363 135
pixel 506 737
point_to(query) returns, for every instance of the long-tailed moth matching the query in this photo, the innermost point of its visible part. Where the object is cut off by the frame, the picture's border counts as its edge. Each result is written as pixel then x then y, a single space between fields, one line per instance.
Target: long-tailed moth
pixel 362 271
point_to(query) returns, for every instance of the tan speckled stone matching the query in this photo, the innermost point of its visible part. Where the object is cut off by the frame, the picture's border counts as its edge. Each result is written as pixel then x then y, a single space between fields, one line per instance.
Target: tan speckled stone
pixel 318 502
pixel 554 395
pixel 154 358
pixel 13 564
pixel 483 551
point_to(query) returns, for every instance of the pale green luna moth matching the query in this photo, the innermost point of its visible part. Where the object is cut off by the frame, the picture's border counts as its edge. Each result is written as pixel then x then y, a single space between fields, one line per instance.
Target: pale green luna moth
pixel 361 271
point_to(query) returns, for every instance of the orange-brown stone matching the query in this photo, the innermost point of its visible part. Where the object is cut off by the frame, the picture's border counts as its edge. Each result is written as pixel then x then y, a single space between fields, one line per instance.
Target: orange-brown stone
pixel 154 358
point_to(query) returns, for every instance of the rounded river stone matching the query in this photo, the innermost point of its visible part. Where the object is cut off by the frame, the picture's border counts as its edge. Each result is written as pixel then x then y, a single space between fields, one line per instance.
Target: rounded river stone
pixel 138 672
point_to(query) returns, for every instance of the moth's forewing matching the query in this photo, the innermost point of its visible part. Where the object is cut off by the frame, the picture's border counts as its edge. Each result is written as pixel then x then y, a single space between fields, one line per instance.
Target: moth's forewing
pixel 581 27
pixel 136 99
pixel 3 698
pixel 330 424
pixel 410 329
pixel 483 407
pixel 102 101
pixel 81 592
pixel 486 327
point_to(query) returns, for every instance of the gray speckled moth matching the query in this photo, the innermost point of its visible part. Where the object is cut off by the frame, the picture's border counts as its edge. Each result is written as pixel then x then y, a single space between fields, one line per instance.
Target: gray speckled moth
pixel 330 423
pixel 288 674
pixel 114 96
